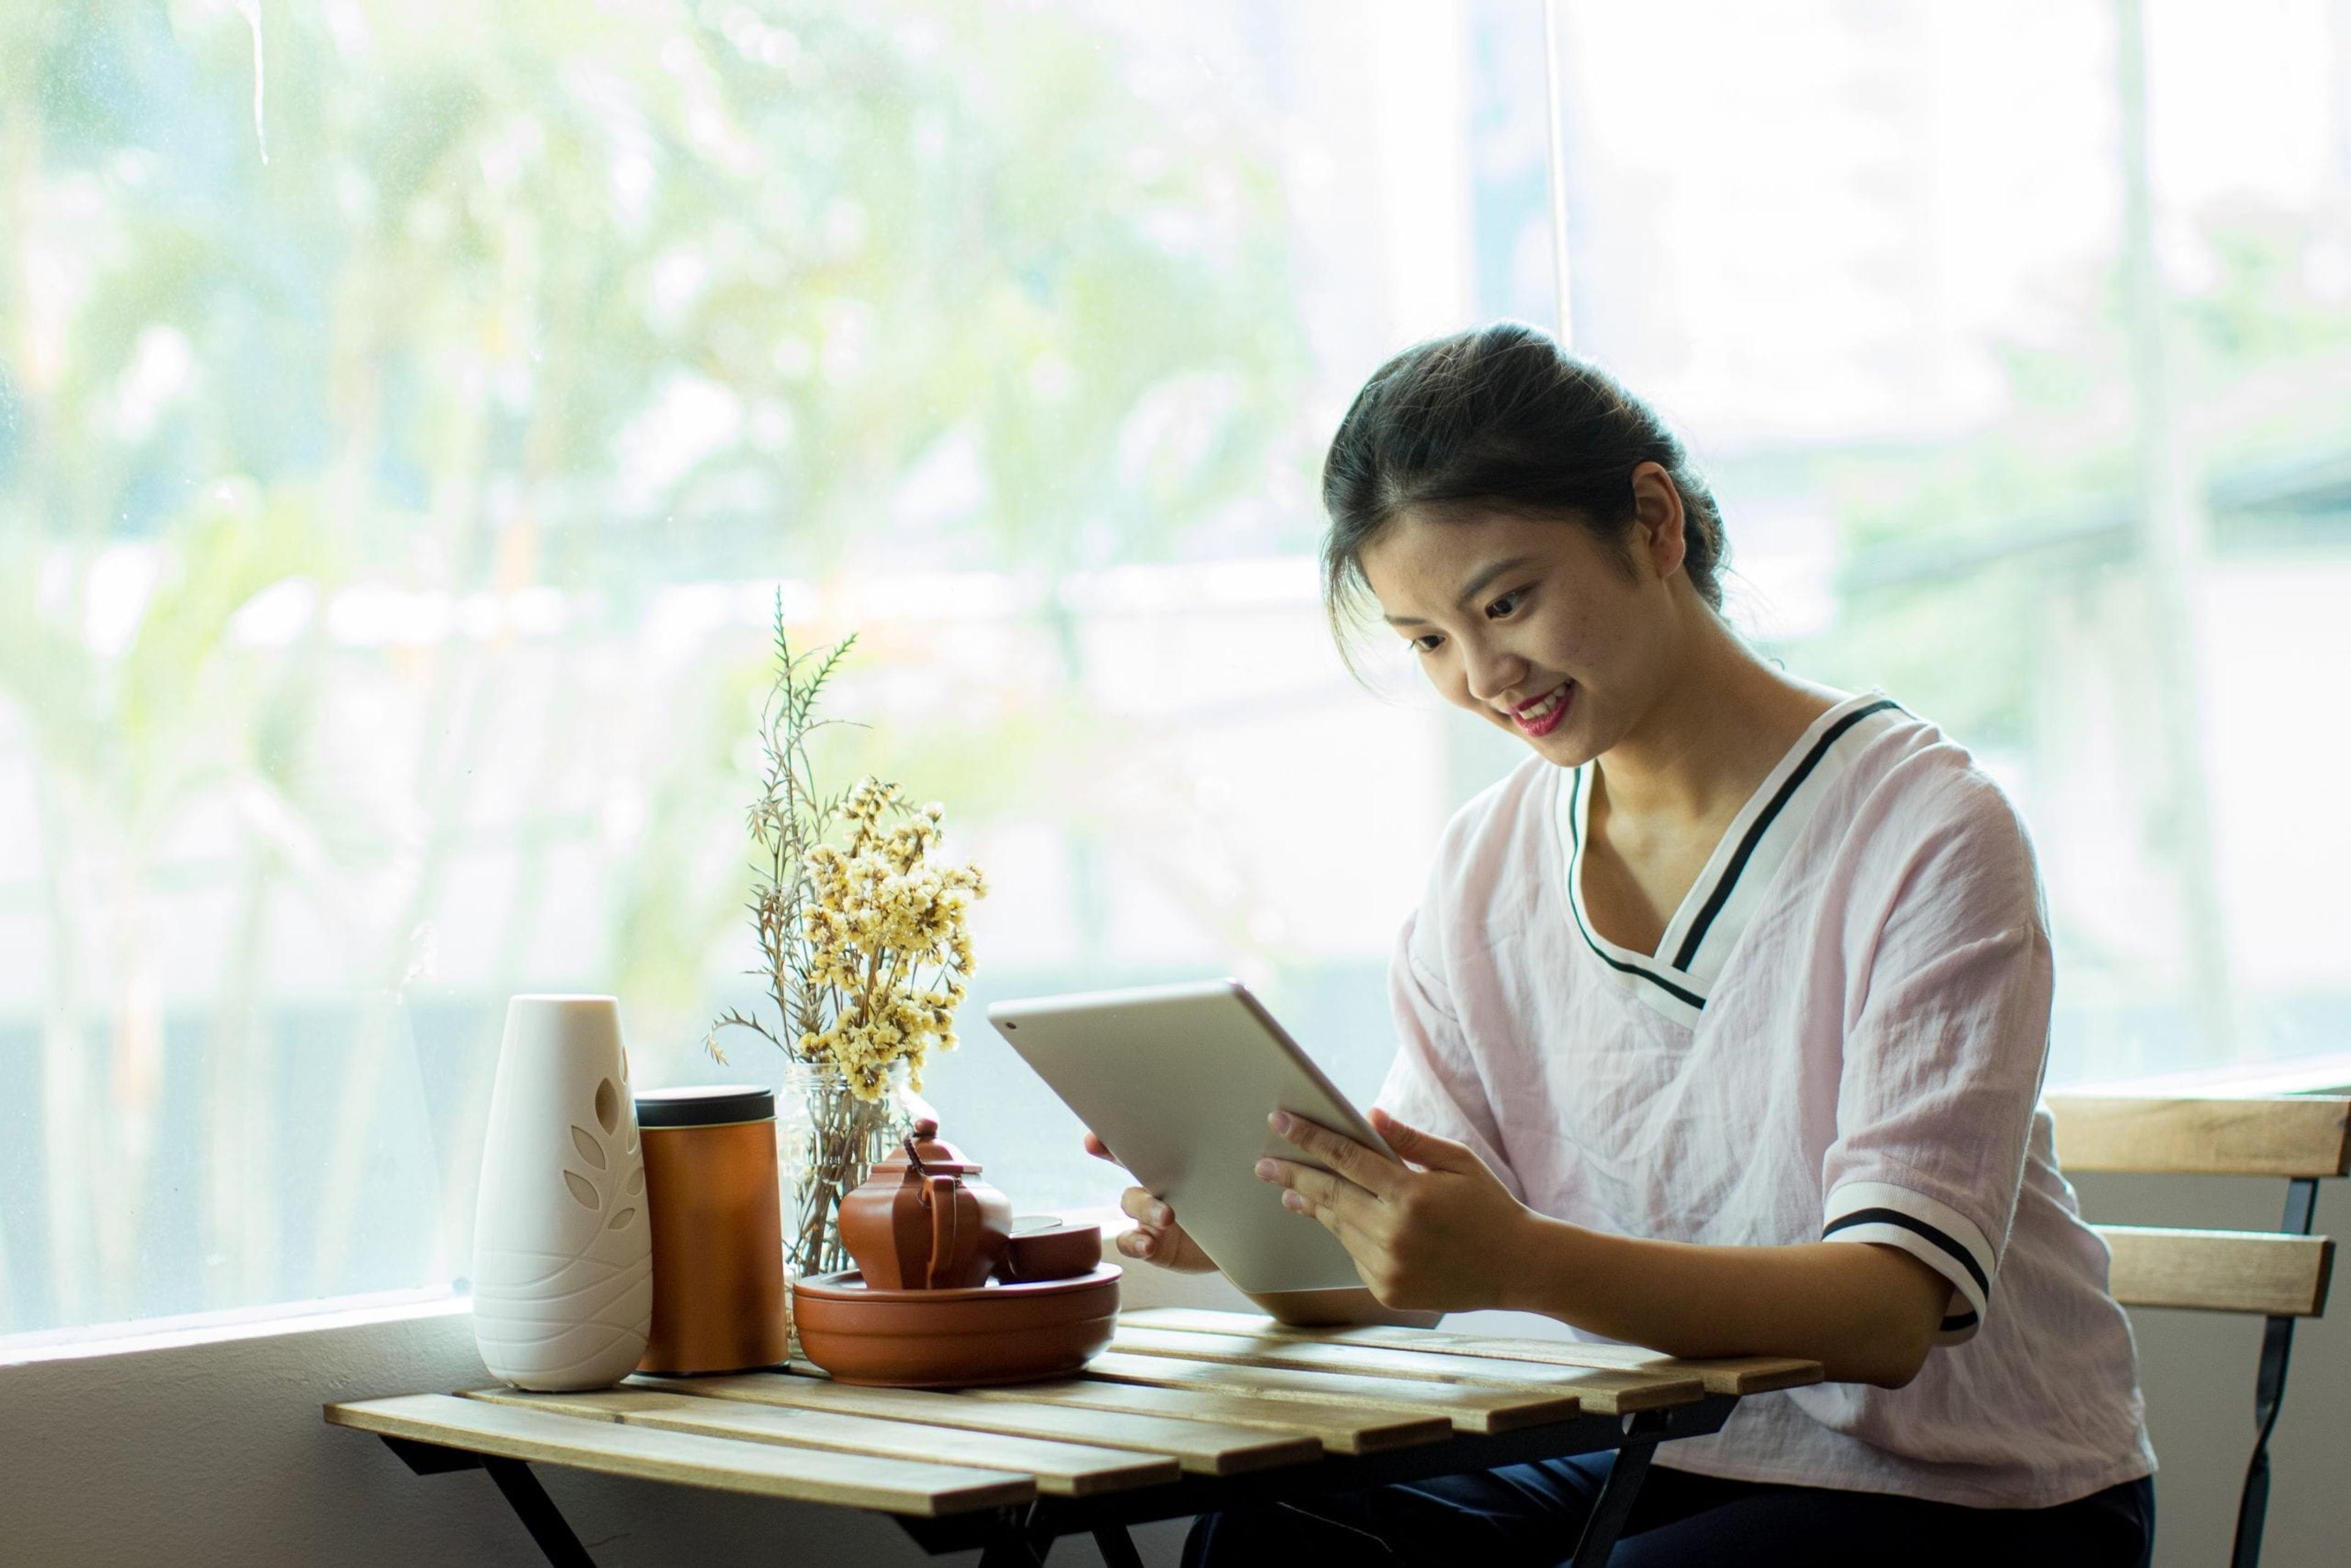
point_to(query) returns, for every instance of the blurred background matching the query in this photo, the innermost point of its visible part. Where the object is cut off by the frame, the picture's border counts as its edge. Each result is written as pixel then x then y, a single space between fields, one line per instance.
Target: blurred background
pixel 409 413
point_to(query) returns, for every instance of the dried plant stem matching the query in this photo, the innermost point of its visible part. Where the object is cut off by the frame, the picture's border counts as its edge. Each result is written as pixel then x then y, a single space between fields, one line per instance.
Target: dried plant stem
pixel 842 930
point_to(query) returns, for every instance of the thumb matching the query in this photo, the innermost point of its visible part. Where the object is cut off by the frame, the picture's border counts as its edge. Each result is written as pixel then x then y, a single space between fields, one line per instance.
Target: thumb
pixel 1423 1148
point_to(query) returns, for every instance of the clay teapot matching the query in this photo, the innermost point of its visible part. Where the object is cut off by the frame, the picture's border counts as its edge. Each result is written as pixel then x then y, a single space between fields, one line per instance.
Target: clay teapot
pixel 924 1220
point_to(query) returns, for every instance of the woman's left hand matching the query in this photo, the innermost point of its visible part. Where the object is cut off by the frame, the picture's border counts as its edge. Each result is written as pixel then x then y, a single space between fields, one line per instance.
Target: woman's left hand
pixel 1436 1234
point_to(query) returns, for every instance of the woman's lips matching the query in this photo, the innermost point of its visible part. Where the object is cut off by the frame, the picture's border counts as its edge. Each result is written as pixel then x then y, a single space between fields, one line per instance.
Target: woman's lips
pixel 1542 715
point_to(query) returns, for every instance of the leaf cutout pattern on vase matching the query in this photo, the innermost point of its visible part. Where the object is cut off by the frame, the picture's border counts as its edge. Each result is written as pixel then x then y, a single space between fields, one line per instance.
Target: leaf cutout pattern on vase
pixel 595 1152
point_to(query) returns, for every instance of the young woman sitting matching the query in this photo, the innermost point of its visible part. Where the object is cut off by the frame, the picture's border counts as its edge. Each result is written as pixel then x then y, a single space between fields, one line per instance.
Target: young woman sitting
pixel 1722 1019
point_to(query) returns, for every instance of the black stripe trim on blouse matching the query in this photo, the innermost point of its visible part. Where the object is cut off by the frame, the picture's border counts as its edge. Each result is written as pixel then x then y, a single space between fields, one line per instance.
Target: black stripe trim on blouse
pixel 1574 902
pixel 1966 1260
pixel 1963 1321
pixel 1721 895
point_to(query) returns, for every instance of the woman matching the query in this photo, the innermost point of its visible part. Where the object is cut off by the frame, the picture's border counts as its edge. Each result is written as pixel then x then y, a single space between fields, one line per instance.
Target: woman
pixel 1722 1022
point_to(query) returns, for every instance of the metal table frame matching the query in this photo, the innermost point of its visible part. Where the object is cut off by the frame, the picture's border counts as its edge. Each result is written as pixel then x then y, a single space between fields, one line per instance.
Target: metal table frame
pixel 1021 1537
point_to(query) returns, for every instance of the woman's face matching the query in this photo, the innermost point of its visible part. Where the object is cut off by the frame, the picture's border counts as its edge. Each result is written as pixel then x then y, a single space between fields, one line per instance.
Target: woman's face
pixel 1537 625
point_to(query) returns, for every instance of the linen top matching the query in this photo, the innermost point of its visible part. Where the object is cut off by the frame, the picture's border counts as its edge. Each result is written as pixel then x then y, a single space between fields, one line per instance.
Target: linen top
pixel 1842 1036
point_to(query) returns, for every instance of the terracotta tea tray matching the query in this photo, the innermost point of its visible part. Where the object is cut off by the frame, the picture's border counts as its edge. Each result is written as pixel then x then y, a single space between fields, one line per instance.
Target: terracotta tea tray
pixel 955 1339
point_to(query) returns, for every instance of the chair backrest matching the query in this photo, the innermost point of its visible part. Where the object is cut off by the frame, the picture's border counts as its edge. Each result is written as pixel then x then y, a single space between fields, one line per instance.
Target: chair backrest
pixel 2281 1274
pixel 2300 1137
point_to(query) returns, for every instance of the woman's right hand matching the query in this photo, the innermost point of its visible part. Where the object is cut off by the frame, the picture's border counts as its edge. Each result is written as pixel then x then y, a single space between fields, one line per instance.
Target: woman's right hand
pixel 1156 1237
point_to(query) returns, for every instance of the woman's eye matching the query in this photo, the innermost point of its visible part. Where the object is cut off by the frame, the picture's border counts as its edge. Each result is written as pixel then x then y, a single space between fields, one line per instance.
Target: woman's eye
pixel 1505 605
pixel 1427 643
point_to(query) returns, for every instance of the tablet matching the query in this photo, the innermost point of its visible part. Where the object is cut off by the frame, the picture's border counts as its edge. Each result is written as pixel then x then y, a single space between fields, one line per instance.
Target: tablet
pixel 1178 1082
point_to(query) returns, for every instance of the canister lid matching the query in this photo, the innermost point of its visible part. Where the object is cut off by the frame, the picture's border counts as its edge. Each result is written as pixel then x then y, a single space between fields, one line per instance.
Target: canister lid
pixel 705 1106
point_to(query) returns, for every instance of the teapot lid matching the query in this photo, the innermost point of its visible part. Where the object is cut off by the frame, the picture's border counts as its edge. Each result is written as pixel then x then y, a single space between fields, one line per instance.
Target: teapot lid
pixel 937 1157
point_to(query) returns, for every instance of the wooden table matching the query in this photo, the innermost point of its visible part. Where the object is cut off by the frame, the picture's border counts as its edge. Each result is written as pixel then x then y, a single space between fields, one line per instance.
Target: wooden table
pixel 1187 1412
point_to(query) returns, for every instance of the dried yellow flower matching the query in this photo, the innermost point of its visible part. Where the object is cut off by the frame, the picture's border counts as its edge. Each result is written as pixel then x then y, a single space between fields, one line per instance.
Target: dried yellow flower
pixel 884 941
pixel 865 941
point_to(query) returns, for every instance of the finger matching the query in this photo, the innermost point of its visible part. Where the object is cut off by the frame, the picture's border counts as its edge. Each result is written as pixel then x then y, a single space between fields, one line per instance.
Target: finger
pixel 1338 1207
pixel 1138 1243
pixel 1320 1188
pixel 1099 1149
pixel 1424 1148
pixel 1363 1167
pixel 1139 1204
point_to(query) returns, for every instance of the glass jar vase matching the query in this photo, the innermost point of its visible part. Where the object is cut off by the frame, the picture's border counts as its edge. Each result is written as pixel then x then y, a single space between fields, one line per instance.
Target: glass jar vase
pixel 827 1140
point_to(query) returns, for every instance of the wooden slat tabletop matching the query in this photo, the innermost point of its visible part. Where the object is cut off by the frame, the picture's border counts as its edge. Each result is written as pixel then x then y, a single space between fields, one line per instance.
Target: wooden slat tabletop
pixel 1609 1392
pixel 1470 1408
pixel 1066 1470
pixel 805 1475
pixel 1205 1393
pixel 1205 1448
pixel 1339 1428
pixel 1732 1374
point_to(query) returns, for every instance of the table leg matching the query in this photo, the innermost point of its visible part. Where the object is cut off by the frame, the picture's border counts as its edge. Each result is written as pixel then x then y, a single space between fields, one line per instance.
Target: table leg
pixel 431 1458
pixel 1012 1545
pixel 1117 1547
pixel 1615 1503
pixel 540 1515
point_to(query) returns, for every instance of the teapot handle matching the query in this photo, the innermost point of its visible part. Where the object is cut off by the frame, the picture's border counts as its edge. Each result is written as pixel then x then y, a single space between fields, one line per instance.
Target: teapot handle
pixel 942 1198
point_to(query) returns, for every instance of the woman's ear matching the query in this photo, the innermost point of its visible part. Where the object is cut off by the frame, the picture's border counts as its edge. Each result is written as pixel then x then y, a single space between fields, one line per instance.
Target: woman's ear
pixel 1657 519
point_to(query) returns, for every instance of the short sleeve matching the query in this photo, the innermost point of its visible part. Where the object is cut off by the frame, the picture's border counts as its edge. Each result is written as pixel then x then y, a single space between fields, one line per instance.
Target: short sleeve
pixel 1943 1061
pixel 1432 1083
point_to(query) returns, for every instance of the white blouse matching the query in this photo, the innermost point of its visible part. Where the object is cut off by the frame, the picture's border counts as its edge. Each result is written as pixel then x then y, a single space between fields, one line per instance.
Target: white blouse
pixel 1842 1036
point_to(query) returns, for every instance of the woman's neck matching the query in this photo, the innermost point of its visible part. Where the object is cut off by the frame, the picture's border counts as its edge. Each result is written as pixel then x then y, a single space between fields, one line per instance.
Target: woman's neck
pixel 1722 720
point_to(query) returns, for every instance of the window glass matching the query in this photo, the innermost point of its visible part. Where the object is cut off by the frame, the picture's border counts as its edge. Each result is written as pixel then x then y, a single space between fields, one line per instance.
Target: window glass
pixel 411 413
pixel 409 416
pixel 2016 338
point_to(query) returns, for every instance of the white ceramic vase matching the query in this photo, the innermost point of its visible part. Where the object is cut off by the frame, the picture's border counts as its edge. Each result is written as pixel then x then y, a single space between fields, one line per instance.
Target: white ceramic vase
pixel 563 1284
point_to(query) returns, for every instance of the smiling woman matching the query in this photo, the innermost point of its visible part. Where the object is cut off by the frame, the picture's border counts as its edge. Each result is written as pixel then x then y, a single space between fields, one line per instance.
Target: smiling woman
pixel 1723 1022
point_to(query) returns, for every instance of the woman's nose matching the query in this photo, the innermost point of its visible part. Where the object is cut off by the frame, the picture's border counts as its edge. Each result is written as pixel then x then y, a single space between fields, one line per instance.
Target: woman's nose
pixel 1493 671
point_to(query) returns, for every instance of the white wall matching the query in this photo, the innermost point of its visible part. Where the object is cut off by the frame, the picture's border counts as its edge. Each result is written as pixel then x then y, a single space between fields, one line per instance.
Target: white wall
pixel 215 1453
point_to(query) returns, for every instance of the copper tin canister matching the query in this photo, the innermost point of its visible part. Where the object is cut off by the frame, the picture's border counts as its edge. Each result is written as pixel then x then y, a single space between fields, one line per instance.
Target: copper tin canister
pixel 717 1224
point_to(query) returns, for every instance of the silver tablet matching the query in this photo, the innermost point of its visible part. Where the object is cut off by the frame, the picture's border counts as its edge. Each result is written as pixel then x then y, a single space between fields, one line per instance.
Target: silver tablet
pixel 1178 1081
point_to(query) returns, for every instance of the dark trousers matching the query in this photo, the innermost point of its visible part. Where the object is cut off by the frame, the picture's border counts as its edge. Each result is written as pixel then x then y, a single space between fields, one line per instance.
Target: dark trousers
pixel 1530 1514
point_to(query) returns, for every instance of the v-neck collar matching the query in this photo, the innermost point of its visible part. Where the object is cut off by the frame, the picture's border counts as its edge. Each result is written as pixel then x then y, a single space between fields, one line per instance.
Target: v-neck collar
pixel 1676 979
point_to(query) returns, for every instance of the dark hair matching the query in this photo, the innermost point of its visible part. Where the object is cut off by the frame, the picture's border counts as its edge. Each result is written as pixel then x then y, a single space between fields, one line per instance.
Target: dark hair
pixel 1500 417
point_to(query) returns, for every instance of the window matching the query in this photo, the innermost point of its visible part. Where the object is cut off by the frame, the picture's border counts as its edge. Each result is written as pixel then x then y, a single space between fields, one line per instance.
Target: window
pixel 410 412
pixel 2014 337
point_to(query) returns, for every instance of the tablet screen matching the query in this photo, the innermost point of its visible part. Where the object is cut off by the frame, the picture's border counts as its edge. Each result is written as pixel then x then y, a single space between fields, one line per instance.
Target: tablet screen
pixel 1178 1082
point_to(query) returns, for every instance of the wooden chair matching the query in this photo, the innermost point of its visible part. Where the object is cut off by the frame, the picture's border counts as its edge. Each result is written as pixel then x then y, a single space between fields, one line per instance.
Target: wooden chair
pixel 2283 1274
